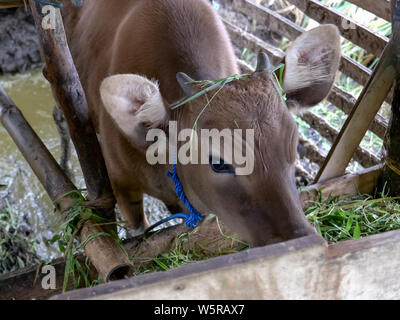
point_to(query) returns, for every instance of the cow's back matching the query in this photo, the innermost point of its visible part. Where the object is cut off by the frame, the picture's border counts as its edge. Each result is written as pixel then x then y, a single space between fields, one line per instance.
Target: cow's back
pixel 155 38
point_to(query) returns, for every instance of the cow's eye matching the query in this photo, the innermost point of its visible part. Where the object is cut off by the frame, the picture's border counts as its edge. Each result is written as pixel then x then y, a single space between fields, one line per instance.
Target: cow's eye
pixel 220 166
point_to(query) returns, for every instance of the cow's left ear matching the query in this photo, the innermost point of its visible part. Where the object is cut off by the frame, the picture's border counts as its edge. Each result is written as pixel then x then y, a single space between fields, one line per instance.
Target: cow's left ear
pixel 135 104
pixel 310 66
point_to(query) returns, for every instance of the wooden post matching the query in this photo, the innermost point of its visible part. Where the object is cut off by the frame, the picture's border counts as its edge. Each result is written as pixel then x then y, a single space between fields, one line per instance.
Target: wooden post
pixel 390 178
pixel 360 118
pixel 61 73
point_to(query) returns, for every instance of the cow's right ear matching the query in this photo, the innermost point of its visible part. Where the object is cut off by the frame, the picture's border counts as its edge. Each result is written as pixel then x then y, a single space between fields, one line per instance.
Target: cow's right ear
pixel 135 104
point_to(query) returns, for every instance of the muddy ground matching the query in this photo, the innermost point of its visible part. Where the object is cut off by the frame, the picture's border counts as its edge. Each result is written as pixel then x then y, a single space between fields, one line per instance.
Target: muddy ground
pixel 19 47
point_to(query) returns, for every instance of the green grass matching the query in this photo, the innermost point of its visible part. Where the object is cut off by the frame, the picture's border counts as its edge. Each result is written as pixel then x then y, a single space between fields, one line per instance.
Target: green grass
pixel 77 215
pixel 336 219
pixel 353 217
pixel 182 253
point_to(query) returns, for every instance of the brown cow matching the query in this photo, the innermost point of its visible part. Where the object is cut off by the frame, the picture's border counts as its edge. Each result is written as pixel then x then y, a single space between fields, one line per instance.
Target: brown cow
pixel 128 53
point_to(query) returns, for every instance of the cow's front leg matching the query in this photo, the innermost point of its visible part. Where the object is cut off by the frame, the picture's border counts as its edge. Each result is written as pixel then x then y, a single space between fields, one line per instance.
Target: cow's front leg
pixel 131 206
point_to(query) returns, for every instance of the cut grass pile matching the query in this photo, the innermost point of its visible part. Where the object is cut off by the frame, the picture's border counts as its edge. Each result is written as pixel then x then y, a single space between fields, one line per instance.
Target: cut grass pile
pixel 352 217
pixel 336 219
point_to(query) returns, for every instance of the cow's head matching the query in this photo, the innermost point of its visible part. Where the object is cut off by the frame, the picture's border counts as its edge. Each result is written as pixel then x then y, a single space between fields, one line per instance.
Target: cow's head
pixel 262 206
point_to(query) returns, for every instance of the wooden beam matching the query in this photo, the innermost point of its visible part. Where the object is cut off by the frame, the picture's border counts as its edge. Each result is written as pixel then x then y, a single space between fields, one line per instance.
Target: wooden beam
pixel 362 182
pixel 361 155
pixel 357 123
pixel 311 151
pixel 299 269
pixel 345 102
pixel 360 35
pixel 380 8
pixel 253 43
pixel 241 38
pixel 210 237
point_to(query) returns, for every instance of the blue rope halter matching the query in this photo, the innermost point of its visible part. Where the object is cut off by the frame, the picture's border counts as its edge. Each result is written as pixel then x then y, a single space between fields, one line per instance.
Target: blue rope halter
pixel 193 217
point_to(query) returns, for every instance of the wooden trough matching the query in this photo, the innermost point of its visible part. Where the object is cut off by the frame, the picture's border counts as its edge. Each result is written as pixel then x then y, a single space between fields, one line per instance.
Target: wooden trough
pixel 303 268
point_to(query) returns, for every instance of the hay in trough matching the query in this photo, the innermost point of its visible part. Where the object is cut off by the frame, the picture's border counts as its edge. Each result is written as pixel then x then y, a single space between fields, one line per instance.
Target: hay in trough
pixel 340 218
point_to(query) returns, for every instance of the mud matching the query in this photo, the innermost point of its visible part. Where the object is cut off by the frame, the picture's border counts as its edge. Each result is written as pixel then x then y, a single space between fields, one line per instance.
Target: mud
pixel 19 49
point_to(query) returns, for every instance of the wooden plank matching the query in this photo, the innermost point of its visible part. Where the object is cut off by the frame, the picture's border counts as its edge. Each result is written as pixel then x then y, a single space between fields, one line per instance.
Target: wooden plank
pixel 311 152
pixel 253 43
pixel 360 35
pixel 366 268
pixel 345 102
pixel 354 70
pixel 301 172
pixel 360 118
pixel 349 67
pixel 361 155
pixel 267 17
pixel 286 28
pixel 362 182
pixel 340 249
pixel 380 8
pixel 210 236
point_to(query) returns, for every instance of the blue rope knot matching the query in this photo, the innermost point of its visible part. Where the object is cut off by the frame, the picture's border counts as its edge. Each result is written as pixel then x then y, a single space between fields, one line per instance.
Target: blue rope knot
pixel 193 217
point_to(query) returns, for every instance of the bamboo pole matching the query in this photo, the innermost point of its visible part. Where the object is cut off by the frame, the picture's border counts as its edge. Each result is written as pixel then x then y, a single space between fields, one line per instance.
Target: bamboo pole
pixel 105 254
pixel 60 71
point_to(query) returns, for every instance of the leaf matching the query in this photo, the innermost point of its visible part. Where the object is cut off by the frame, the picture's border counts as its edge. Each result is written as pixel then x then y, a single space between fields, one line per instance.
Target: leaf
pixel 357 231
pixel 349 222
pixel 161 264
pixel 61 247
pixel 55 238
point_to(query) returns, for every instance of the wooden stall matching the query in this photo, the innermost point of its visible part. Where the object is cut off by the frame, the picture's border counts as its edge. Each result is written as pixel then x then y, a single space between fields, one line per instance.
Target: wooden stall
pixel 318 271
